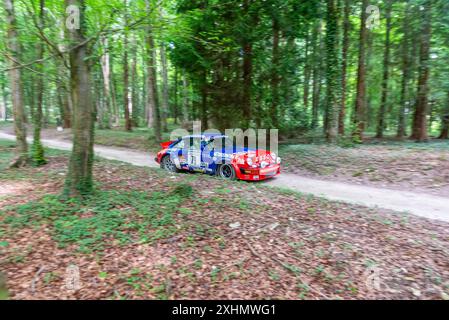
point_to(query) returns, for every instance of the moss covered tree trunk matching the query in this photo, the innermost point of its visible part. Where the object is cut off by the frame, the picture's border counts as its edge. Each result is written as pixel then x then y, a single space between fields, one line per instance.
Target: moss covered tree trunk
pixel 38 155
pixel 128 126
pixel 344 67
pixel 79 179
pixel 332 72
pixel 13 54
pixel 360 105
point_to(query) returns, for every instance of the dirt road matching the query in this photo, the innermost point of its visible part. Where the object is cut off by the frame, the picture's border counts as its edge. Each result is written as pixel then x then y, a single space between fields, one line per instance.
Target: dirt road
pixel 419 204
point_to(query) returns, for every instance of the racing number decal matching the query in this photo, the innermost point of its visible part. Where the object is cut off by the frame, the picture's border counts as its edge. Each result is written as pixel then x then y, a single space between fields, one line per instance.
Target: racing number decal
pixel 194 158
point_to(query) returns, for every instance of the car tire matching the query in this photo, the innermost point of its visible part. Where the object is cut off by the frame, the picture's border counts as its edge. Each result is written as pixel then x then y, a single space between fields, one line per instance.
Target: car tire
pixel 168 165
pixel 226 171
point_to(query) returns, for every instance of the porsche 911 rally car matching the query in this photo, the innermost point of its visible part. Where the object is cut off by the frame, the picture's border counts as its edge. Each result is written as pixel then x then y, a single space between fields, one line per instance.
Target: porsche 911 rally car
pixel 217 155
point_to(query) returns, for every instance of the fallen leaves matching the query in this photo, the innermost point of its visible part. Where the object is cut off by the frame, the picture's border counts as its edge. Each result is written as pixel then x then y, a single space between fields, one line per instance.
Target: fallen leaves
pixel 275 246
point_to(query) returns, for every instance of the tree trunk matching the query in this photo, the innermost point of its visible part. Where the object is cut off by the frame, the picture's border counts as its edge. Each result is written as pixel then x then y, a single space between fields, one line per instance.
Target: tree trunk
pixel 38 154
pixel 165 87
pixel 401 132
pixel 275 74
pixel 3 104
pixel 332 68
pixel 344 67
pixel 317 62
pixel 128 126
pixel 247 82
pixel 360 105
pixel 247 47
pixel 176 97
pixel 114 106
pixel 307 72
pixel 154 118
pixel 386 72
pixel 105 121
pixel 445 121
pixel 64 98
pixel 79 180
pixel 420 119
pixel 13 54
pixel 204 96
pixel 135 103
pixel 185 99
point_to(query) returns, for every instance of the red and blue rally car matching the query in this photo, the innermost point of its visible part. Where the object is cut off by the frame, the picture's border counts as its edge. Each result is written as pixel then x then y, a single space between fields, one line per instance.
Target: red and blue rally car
pixel 216 154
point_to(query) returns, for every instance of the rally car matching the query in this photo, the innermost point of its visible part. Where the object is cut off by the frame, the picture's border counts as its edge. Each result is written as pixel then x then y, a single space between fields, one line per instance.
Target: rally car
pixel 217 155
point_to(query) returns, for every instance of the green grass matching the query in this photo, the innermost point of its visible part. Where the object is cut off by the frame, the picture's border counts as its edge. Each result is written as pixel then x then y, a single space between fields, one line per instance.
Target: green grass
pixel 6 153
pixel 140 138
pixel 106 218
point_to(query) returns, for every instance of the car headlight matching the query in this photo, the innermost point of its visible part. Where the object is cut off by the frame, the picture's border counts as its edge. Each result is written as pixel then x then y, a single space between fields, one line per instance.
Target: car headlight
pixel 278 160
pixel 264 164
pixel 249 162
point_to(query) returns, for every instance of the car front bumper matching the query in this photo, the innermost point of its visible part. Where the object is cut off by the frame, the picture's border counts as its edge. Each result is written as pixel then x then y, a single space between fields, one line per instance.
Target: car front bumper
pixel 258 174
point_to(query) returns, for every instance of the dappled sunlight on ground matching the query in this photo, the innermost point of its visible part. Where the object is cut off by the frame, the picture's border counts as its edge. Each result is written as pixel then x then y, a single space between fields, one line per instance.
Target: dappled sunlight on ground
pixel 12 188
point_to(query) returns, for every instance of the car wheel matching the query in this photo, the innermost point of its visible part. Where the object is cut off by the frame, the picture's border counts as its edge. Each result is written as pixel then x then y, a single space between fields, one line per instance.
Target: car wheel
pixel 226 171
pixel 167 164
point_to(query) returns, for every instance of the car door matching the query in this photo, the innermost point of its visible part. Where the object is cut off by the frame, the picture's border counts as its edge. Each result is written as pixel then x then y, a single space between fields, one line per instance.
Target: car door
pixel 192 153
pixel 207 156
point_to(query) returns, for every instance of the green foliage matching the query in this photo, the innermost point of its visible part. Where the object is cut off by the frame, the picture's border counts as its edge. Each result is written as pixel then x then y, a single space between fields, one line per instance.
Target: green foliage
pixel 106 218
pixel 184 190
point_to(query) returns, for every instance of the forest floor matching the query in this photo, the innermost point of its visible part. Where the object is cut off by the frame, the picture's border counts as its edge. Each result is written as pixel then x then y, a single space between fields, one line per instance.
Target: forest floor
pixel 149 234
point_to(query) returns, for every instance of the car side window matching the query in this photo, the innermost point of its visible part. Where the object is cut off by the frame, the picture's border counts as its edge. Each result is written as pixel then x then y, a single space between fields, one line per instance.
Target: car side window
pixel 180 144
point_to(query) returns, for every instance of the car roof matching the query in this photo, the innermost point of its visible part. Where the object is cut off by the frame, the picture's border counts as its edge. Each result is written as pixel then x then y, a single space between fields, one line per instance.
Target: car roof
pixel 206 135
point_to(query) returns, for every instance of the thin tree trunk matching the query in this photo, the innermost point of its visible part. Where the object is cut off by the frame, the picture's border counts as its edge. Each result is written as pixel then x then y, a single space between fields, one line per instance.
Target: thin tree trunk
pixel 332 68
pixel 13 54
pixel 128 126
pixel 185 99
pixel 105 121
pixel 135 103
pixel 344 67
pixel 79 180
pixel 154 118
pixel 386 72
pixel 275 73
pixel 247 82
pixel 204 97
pixel 175 97
pixel 401 132
pixel 445 121
pixel 65 99
pixel 360 105
pixel 165 87
pixel 247 47
pixel 38 154
pixel 4 104
pixel 114 105
pixel 307 72
pixel 420 120
pixel 318 47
